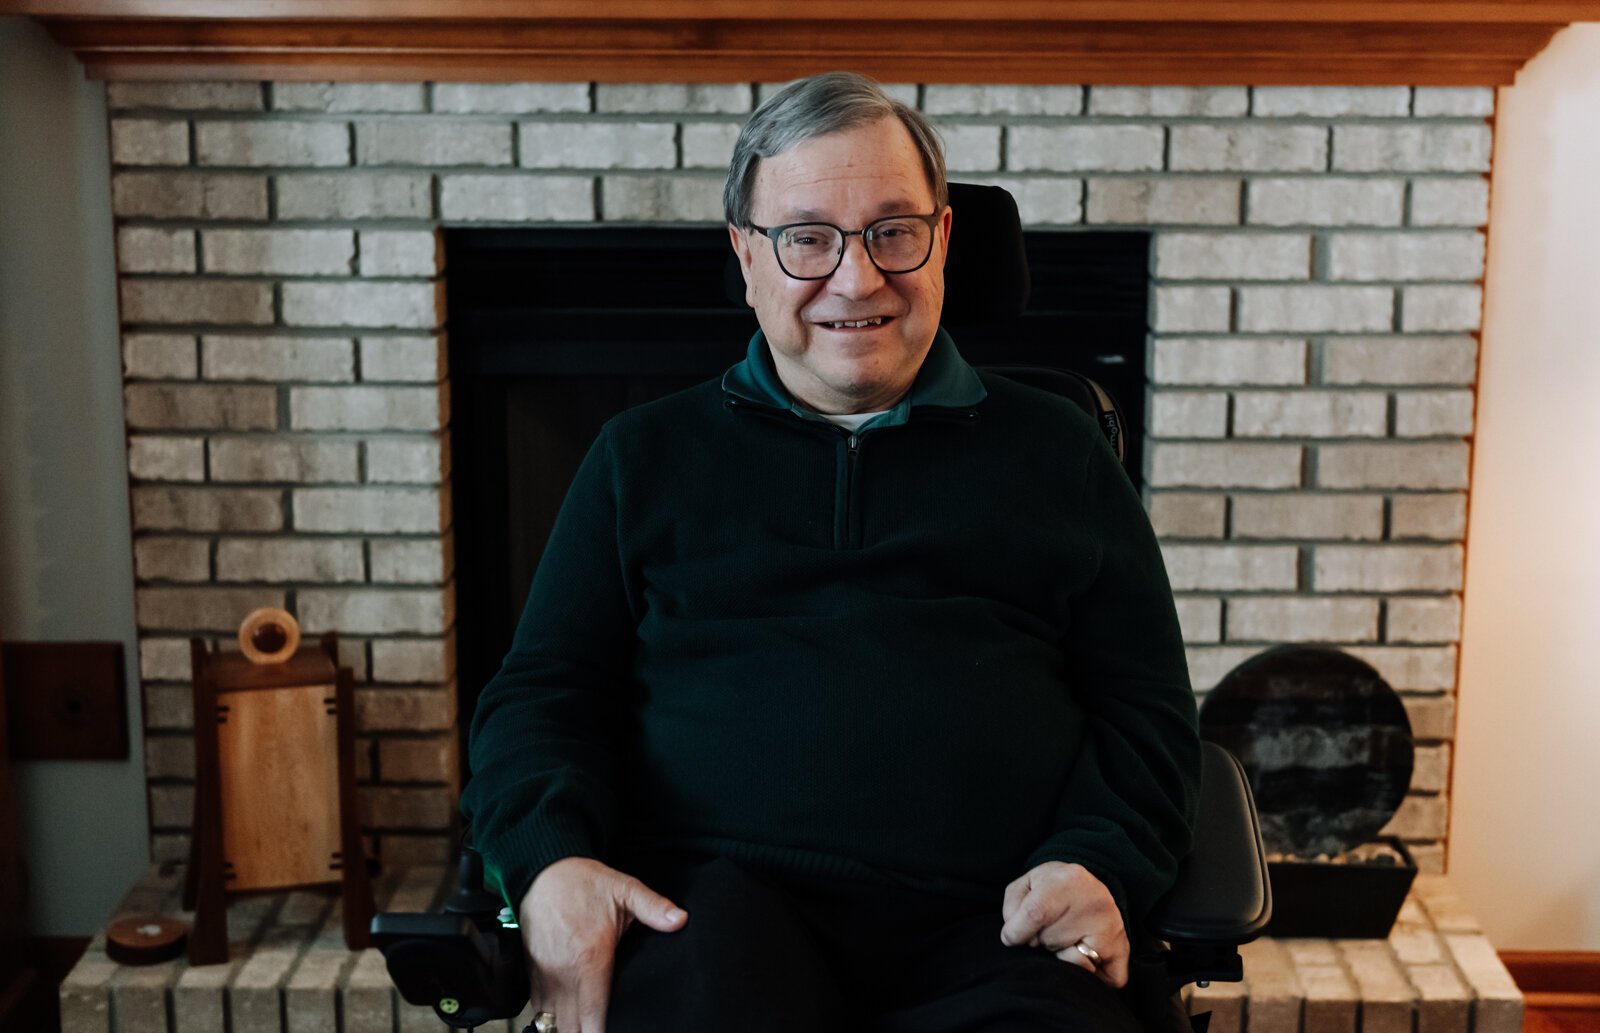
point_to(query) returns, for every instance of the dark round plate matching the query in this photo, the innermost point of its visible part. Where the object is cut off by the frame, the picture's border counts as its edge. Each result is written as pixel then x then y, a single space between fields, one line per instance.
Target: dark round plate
pixel 1325 743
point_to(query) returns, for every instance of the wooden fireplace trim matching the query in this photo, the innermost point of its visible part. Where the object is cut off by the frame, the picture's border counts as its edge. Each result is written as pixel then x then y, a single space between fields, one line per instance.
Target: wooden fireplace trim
pixel 1152 42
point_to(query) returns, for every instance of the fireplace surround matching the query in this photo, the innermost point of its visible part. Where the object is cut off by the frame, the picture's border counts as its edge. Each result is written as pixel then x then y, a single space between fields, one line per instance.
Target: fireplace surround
pixel 1315 278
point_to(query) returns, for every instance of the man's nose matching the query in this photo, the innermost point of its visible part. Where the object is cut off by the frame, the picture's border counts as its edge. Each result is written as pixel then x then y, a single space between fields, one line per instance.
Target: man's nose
pixel 856 276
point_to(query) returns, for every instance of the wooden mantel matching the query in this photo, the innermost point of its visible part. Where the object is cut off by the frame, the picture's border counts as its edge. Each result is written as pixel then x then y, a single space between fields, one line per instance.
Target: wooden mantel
pixel 1153 42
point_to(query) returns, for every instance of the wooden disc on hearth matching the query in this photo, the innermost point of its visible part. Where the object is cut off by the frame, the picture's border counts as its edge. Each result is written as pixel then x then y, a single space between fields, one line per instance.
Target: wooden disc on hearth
pixel 269 635
pixel 145 939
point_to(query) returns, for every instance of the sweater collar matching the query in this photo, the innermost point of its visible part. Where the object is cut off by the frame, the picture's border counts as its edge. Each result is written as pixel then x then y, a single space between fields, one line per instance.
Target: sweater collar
pixel 945 381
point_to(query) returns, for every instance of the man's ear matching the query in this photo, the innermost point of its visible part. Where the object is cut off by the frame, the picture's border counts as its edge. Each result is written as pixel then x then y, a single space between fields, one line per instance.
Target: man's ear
pixel 741 248
pixel 944 224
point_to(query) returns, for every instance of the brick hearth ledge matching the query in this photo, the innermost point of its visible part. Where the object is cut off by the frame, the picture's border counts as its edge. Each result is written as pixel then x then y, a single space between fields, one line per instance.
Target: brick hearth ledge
pixel 290 973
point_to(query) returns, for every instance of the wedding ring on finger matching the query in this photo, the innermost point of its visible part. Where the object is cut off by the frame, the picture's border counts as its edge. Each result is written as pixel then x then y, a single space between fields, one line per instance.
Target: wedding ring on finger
pixel 1088 952
pixel 544 1022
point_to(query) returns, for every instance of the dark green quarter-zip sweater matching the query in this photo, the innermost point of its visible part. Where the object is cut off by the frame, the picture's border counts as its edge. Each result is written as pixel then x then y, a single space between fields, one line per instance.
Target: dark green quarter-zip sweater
pixel 938 651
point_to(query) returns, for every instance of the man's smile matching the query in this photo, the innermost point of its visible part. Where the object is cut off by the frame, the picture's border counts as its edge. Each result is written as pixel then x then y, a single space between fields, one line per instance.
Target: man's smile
pixel 866 323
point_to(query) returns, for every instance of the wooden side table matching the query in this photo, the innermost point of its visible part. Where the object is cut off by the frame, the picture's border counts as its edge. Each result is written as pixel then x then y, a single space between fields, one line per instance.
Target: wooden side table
pixel 275 800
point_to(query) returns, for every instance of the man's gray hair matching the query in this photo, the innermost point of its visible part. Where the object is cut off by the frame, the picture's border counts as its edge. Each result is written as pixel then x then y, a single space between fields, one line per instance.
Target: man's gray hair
pixel 826 103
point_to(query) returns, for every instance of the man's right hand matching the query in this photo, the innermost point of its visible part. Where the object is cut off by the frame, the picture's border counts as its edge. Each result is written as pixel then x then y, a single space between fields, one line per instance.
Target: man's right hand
pixel 572 917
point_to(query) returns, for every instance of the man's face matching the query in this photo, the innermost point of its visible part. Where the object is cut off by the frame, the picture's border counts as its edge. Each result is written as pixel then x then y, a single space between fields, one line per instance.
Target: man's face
pixel 848 178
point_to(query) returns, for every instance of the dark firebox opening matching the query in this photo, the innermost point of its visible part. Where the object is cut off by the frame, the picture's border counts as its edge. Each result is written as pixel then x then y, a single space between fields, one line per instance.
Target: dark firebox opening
pixel 553 331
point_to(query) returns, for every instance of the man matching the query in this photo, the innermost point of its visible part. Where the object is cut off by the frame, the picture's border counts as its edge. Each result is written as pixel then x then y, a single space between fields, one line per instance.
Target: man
pixel 849 693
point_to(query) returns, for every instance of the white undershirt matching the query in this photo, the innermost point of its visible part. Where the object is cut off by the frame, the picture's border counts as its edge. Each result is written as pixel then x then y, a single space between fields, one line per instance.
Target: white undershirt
pixel 850 421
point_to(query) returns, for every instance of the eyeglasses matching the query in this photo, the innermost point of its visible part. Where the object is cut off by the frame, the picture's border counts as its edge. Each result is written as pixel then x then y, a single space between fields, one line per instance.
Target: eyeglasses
pixel 813 250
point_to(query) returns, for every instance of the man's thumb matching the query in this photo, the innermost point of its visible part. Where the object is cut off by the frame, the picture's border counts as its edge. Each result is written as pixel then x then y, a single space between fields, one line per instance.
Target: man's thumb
pixel 653 909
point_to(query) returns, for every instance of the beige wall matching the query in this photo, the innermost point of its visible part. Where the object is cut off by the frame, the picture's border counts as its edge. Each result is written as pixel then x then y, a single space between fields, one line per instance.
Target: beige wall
pixel 65 570
pixel 1525 834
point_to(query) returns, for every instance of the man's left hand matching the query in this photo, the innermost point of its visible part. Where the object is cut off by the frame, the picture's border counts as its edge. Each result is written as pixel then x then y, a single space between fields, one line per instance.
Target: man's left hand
pixel 1058 906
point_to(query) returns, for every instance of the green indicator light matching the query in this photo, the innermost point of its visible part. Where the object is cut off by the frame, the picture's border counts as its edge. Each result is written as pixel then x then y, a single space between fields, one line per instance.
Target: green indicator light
pixel 449 1005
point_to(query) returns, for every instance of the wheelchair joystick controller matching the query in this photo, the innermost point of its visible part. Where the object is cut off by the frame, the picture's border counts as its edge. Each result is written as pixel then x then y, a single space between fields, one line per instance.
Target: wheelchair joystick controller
pixel 465 962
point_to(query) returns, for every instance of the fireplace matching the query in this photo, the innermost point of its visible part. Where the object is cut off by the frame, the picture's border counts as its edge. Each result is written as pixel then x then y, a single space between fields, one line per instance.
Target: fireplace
pixel 291 357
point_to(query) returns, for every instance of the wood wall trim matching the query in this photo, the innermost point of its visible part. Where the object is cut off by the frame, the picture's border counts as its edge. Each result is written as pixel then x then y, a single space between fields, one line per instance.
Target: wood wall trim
pixel 744 50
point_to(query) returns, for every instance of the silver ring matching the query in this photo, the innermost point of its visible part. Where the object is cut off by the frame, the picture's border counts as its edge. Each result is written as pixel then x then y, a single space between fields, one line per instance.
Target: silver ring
pixel 545 1022
pixel 1088 952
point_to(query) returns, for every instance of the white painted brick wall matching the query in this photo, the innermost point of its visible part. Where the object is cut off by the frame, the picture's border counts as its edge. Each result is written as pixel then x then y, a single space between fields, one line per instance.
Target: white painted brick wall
pixel 343 97
pixel 1317 309
pixel 510 98
pixel 377 611
pixel 1415 148
pixel 1188 414
pixel 371 510
pixel 1307 516
pixel 149 249
pixel 1330 101
pixel 200 608
pixel 602 145
pixel 1450 202
pixel 1429 619
pixel 397 561
pixel 1168 101
pixel 1325 201
pixel 266 144
pixel 1400 360
pixel 1228 361
pixel 274 358
pixel 1405 256
pixel 1434 308
pixel 673 98
pixel 1466 102
pixel 1190 309
pixel 1327 414
pixel 289 559
pixel 1279 618
pixel 160 356
pixel 401 253
pixel 709 145
pixel 1188 201
pixel 1002 100
pixel 206 509
pixel 1233 256
pixel 1242 465
pixel 516 198
pixel 1042 201
pixel 403 359
pixel 412 660
pixel 1428 516
pixel 294 461
pixel 1114 148
pixel 1386 568
pixel 179 302
pixel 969 148
pixel 293 252
pixel 1199 618
pixel 185 96
pixel 1411 466
pixel 1242 568
pixel 661 199
pixel 172 559
pixel 188 195
pixel 153 457
pixel 419 305
pixel 407 461
pixel 1181 514
pixel 367 408
pixel 1248 148
pixel 433 144
pixel 155 406
pixel 386 195
pixel 148 141
pixel 1432 413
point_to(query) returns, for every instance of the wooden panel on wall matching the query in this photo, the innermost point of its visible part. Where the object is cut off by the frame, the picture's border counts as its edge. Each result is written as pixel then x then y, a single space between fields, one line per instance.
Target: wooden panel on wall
pixel 1028 41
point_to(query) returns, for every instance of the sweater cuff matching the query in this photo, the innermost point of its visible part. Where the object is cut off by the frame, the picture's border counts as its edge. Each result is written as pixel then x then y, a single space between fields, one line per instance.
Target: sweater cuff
pixel 515 857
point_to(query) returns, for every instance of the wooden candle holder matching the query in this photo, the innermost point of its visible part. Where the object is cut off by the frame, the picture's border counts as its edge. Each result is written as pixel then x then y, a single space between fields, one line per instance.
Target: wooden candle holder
pixel 275 803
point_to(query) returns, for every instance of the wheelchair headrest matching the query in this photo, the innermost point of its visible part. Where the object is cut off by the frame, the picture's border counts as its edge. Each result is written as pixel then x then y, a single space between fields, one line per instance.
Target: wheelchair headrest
pixel 986 272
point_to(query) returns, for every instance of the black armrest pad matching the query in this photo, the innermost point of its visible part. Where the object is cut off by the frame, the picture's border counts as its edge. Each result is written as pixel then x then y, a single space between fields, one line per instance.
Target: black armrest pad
pixel 1222 894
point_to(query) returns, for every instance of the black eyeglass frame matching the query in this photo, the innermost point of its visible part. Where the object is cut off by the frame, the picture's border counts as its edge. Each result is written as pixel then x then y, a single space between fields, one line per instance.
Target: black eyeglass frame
pixel 772 232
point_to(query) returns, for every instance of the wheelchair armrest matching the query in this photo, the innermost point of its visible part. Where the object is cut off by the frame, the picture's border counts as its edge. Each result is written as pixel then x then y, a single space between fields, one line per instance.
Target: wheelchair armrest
pixel 1222 897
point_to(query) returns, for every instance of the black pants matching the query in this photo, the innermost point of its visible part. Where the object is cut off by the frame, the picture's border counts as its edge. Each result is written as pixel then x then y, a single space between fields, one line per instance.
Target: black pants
pixel 760 955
